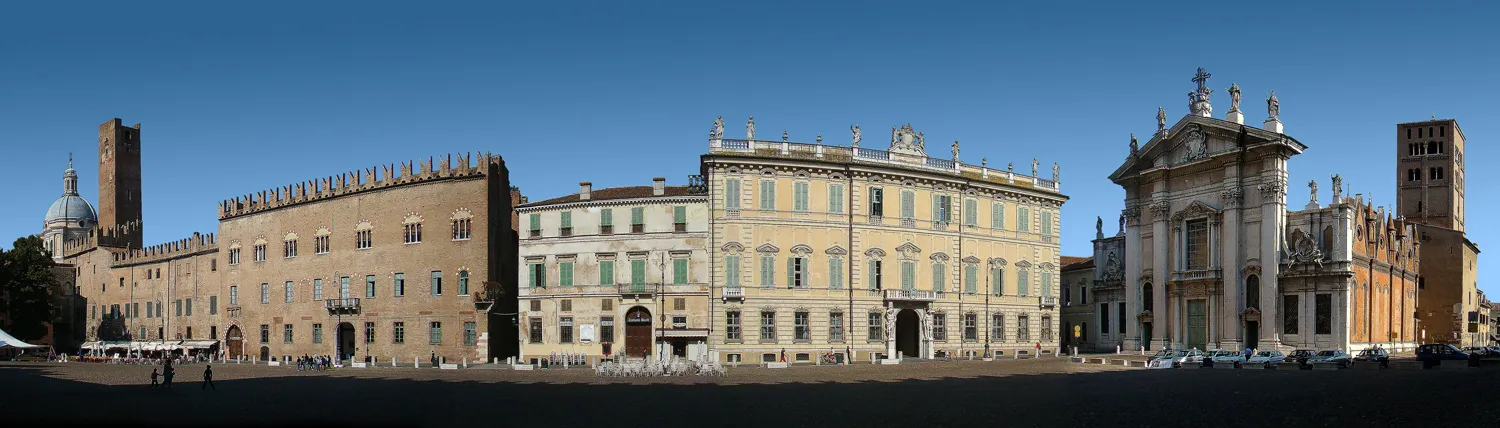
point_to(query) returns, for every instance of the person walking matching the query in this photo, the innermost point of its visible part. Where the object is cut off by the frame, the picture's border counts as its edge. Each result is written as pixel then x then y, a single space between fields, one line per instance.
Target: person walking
pixel 208 377
pixel 154 384
pixel 166 375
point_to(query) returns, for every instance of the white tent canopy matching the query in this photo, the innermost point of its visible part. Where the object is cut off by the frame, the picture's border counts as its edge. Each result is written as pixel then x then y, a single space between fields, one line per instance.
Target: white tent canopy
pixel 8 341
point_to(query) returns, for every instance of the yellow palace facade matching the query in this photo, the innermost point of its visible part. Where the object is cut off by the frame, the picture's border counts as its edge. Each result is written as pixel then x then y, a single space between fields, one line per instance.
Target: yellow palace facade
pixel 871 254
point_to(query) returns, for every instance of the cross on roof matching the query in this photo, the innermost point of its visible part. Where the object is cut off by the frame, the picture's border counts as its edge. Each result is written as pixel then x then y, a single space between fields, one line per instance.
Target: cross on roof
pixel 1202 79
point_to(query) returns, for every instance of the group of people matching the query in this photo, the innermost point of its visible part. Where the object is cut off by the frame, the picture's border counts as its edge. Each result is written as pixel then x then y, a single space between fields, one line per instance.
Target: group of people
pixel 167 373
pixel 314 362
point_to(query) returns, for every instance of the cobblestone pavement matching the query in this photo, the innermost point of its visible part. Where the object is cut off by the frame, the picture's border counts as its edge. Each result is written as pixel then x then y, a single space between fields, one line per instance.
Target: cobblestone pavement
pixel 962 393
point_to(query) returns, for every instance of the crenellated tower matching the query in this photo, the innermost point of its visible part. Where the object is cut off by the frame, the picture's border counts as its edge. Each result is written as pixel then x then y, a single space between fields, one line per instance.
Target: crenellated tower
pixel 120 179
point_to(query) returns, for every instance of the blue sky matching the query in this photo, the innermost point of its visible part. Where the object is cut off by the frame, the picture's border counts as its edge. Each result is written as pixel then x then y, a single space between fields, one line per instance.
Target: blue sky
pixel 240 98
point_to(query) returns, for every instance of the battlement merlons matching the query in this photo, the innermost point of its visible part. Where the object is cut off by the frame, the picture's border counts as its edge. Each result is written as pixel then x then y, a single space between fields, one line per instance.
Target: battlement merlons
pixel 199 243
pixel 376 177
pixel 119 237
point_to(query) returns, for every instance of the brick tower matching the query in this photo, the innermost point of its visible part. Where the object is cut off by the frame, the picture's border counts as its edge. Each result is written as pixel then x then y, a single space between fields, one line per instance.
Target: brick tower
pixel 120 181
pixel 1430 168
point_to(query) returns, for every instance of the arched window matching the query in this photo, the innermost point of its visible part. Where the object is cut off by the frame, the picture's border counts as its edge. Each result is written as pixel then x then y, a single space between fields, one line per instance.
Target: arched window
pixel 1147 296
pixel 1252 292
pixel 1432 147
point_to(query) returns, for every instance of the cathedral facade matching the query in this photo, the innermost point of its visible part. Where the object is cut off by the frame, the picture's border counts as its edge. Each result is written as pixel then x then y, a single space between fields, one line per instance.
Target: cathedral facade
pixel 356 265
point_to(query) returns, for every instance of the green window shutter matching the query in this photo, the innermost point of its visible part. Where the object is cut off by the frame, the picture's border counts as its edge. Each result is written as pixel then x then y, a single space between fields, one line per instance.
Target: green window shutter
pixel 680 271
pixel 768 195
pixel 679 214
pixel 732 194
pixel 835 274
pixel 938 269
pixel 971 213
pixel 637 273
pixel 1047 223
pixel 971 279
pixel 607 272
pixel 732 271
pixel 835 198
pixel 908 204
pixel 799 196
pixel 637 216
pixel 935 212
pixel 1046 284
pixel 997 216
pixel 870 275
pixel 536 222
pixel 607 217
pixel 767 269
pixel 567 219
pixel 1023 281
pixel 567 274
pixel 908 276
pixel 1023 219
pixel 997 281
pixel 790 271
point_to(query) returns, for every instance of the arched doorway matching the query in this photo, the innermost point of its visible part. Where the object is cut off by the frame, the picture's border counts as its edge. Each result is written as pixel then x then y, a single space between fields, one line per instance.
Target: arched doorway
pixel 637 332
pixel 346 340
pixel 265 353
pixel 234 342
pixel 908 338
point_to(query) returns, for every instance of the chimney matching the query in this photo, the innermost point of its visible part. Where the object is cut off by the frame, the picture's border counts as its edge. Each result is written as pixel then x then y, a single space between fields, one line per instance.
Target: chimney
pixel 584 189
pixel 659 186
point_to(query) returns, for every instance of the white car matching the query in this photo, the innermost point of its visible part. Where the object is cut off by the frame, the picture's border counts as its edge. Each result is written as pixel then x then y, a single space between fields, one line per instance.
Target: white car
pixel 1266 358
pixel 1227 357
pixel 1174 358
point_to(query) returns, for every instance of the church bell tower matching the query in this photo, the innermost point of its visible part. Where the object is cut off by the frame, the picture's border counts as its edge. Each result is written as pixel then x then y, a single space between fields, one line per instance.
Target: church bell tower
pixel 120 181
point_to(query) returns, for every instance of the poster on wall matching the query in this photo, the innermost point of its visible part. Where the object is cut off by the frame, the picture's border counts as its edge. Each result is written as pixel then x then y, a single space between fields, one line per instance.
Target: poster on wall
pixel 586 333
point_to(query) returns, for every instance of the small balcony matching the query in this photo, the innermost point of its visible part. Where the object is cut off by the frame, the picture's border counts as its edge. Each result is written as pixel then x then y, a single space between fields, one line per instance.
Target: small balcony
pixel 1196 275
pixel 911 295
pixel 1047 302
pixel 341 306
pixel 638 290
pixel 484 299
pixel 734 293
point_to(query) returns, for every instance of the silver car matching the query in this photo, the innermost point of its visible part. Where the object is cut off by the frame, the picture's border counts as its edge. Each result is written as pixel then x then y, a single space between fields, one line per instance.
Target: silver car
pixel 1267 359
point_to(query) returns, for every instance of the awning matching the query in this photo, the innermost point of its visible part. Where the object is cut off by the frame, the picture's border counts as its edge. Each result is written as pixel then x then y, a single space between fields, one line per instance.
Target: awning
pixel 684 332
pixel 8 341
pixel 199 344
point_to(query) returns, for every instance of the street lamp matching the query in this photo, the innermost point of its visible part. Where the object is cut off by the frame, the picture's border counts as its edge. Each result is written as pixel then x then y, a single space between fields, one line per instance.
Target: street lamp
pixel 661 306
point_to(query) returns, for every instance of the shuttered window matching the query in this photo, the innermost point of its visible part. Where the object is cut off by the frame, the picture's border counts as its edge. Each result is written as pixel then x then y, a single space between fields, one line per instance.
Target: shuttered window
pixel 732 194
pixel 939 272
pixel 768 195
pixel 835 273
pixel 971 279
pixel 836 198
pixel 997 216
pixel 908 275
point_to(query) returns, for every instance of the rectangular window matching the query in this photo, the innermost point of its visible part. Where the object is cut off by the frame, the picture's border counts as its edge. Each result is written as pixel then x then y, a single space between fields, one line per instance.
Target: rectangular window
pixel 1047 223
pixel 534 328
pixel 471 334
pixel 1197 244
pixel 320 244
pixel 1324 309
pixel 908 275
pixel 638 274
pixel 213 305
pixel 971 327
pixel 732 271
pixel 876 327
pixel 679 271
pixel 286 336
pixel 1046 328
pixel 1023 219
pixel 606 329
pixel 317 333
pixel 1023 282
pixel 799 196
pixel 1121 313
pixel 997 328
pixel 289 249
pixel 435 333
pixel 836 327
pixel 835 273
pixel 364 239
pixel 606 221
pixel 877 202
pixel 638 220
pixel 289 292
pixel 971 279
pixel 317 290
pixel 607 304
pixel 997 281
pixel 260 252
pixel 679 219
pixel 997 216
pixel 187 307
pixel 732 194
pixel 565 330
pixel 566 226
pixel 536 225
pixel 234 256
pixel 768 195
pixel 767 270
pixel 437 283
pixel 768 326
pixel 565 274
pixel 874 274
pixel 732 325
pixel 1047 284
pixel 800 328
pixel 797 272
pixel 344 287
pixel 234 295
pixel 369 332
pixel 939 277
pixel 606 272
pixel 908 204
pixel 398 332
pixel 265 294
pixel 399 285
pixel 836 198
pixel 1103 319
pixel 1023 328
pixel 265 333
pixel 369 286
pixel 538 273
pixel 942 206
pixel 939 327
pixel 1289 309
pixel 971 212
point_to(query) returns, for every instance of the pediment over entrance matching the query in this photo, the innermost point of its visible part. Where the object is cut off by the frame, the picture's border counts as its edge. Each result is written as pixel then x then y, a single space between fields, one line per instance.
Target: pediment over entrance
pixel 1197 209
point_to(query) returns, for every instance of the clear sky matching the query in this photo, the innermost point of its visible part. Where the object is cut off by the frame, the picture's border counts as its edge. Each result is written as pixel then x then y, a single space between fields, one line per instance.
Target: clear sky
pixel 240 98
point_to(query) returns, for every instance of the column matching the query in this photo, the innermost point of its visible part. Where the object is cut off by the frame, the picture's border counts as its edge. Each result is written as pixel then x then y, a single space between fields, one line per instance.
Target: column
pixel 1272 211
pixel 1133 291
pixel 1163 260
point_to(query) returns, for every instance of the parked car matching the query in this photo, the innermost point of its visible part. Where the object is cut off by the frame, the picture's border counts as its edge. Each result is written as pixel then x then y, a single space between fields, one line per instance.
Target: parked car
pixel 1439 352
pixel 1332 356
pixel 1175 358
pixel 1373 355
pixel 1226 356
pixel 1298 356
pixel 1266 358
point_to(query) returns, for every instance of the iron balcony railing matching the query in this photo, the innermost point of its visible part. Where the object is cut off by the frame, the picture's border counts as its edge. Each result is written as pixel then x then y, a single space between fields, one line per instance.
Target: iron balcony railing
pixel 342 305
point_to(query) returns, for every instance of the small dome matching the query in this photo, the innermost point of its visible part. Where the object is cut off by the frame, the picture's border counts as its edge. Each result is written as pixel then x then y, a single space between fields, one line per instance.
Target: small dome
pixel 71 207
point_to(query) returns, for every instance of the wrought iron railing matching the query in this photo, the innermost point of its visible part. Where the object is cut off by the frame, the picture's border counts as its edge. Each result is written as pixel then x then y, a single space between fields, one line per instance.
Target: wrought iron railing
pixel 349 304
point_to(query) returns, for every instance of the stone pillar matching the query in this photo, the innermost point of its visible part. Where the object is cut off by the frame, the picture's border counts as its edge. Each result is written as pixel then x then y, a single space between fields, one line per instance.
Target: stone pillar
pixel 1273 211
pixel 1133 292
pixel 1162 260
pixel 1233 290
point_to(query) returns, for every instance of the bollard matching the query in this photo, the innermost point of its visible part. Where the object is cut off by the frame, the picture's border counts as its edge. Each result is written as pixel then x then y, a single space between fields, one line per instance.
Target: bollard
pixel 466 362
pixel 1143 350
pixel 414 362
pixel 1016 356
pixel 1117 349
pixel 496 360
pixel 393 361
